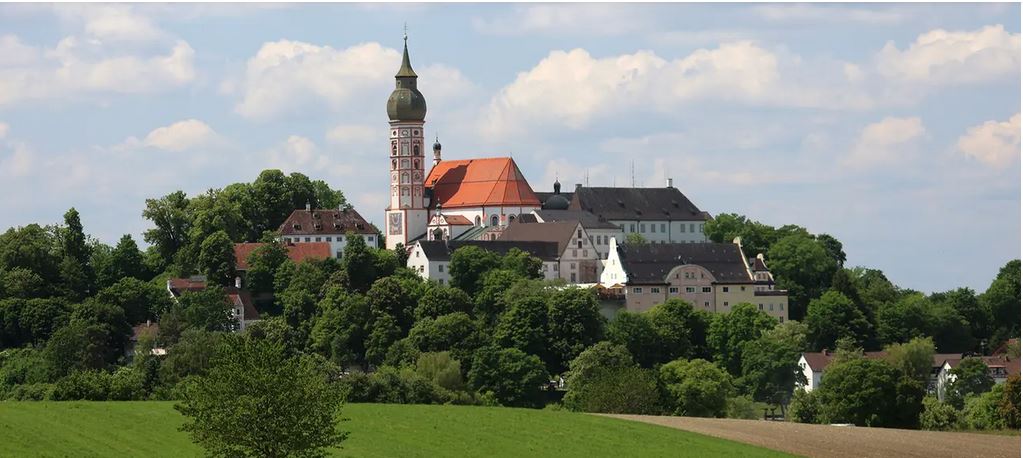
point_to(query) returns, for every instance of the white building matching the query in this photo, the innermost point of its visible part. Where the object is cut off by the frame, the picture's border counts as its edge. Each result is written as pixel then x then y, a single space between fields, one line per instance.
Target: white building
pixel 329 226
pixel 578 257
pixel 598 232
pixel 659 215
pixel 432 259
pixel 1000 368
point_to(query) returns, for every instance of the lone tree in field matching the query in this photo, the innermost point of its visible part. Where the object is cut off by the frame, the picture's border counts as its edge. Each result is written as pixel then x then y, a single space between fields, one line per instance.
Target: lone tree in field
pixel 257 401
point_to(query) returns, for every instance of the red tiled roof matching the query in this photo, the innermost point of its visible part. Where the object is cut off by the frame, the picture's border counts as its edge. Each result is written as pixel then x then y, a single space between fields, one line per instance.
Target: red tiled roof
pixel 818 361
pixel 297 252
pixel 177 286
pixel 147 328
pixel 480 182
pixel 333 221
pixel 243 298
pixel 1011 365
pixel 457 220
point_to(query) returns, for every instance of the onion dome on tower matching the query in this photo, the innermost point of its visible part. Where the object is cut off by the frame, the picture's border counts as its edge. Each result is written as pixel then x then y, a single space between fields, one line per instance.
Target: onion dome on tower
pixel 556 201
pixel 406 103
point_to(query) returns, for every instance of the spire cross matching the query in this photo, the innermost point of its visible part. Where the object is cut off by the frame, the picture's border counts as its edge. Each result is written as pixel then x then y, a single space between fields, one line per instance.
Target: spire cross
pixel 406 31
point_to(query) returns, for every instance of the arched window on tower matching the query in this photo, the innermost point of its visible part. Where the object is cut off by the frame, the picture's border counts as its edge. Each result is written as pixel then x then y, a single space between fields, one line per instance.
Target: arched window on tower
pixel 394 148
pixel 394 164
pixel 415 163
pixel 404 178
pixel 415 149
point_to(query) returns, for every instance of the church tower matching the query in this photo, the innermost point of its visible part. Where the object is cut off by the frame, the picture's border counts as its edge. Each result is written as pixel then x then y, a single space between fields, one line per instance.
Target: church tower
pixel 407 213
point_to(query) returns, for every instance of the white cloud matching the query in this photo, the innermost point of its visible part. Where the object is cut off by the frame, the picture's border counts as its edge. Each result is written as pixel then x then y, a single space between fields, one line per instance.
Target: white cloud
pixel 591 19
pixel 77 66
pixel 291 76
pixel 118 22
pixel 574 88
pixel 944 57
pixel 182 135
pixel 300 154
pixel 994 143
pixel 4 128
pixel 886 142
pixel 816 14
pixel 16 160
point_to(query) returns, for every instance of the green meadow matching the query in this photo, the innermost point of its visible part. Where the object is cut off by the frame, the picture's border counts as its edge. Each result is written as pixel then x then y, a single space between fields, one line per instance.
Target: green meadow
pixel 121 429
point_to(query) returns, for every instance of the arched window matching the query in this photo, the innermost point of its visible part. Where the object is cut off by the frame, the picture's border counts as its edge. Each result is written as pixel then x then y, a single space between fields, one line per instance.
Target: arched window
pixel 404 179
pixel 404 191
pixel 394 164
pixel 404 163
pixel 394 148
pixel 493 220
pixel 478 222
pixel 415 149
pixel 511 219
pixel 415 163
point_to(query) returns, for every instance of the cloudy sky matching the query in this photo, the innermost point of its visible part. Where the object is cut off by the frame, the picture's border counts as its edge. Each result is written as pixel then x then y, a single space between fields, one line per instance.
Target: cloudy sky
pixel 895 128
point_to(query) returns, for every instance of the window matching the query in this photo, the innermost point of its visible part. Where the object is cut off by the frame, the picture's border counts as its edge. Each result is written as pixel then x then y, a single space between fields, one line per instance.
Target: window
pixel 663 228
pixel 545 267
pixel 586 253
pixel 579 233
pixel 742 288
pixel 701 228
pixel 706 304
pixel 308 239
pixel 632 228
pixel 573 277
pixel 421 268
pixel 770 307
pixel 726 304
pixel 781 306
pixel 575 252
pixel 655 290
pixel 493 220
pixel 578 243
pixel 417 254
pixel 440 280
pixel 637 290
pixel 571 265
pixel 440 267
pixel 690 289
pixel 781 319
pixel 706 289
pixel 724 289
pixel 642 228
pixel 557 267
pixel 682 227
pixel 371 238
pixel 317 239
pixel 761 306
pixel 653 228
pixel 692 227
pixel 673 290
pixel 330 239
pixel 477 221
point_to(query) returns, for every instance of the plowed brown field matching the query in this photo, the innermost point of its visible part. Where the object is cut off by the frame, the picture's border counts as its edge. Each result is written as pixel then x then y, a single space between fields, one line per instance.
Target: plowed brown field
pixel 844 441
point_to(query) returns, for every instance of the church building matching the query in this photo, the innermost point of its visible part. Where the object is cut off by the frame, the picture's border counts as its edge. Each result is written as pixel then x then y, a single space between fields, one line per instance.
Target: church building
pixel 456 196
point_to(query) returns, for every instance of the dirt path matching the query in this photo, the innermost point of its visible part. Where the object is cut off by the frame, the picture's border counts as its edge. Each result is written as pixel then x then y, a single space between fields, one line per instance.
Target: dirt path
pixel 843 441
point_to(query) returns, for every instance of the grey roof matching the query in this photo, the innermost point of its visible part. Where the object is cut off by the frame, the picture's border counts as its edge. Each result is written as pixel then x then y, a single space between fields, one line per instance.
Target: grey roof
pixel 587 219
pixel 544 195
pixel 329 221
pixel 650 263
pixel 406 103
pixel 561 233
pixel 643 204
pixel 439 250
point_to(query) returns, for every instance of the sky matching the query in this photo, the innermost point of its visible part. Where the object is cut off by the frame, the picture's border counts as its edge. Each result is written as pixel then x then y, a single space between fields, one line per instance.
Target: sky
pixel 893 127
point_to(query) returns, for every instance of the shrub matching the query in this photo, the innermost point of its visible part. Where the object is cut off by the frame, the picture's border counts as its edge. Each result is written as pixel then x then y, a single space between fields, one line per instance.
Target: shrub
pixel 622 390
pixel 696 388
pixel 742 407
pixel 982 411
pixel 514 378
pixel 805 407
pixel 30 392
pixel 938 416
pixel 83 385
pixel 1008 407
pixel 441 369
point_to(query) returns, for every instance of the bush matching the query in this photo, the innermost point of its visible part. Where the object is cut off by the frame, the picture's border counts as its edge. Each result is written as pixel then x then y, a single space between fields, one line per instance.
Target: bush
pixel 805 407
pixel 441 369
pixel 938 416
pixel 742 407
pixel 696 388
pixel 982 411
pixel 83 386
pixel 622 390
pixel 514 378
pixel 126 384
pixel 1008 407
pixel 31 392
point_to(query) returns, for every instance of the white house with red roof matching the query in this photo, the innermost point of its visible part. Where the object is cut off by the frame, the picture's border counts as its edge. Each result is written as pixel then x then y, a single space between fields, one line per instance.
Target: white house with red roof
pixel 242 308
pixel 330 226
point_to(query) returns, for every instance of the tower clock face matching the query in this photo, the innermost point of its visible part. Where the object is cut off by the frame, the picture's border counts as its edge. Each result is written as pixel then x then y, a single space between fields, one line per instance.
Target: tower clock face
pixel 404 133
pixel 394 133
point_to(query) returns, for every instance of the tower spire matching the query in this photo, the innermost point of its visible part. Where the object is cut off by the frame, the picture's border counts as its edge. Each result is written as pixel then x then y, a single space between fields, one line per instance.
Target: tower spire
pixel 406 64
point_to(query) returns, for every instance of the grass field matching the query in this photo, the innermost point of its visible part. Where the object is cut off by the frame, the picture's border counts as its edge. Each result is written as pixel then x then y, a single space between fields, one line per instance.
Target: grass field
pixel 377 430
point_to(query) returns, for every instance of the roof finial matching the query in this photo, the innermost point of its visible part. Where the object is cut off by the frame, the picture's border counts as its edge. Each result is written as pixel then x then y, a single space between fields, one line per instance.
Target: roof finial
pixel 406 31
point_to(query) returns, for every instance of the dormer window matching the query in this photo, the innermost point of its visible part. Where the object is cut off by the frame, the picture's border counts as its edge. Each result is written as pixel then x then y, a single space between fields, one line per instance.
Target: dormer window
pixel 296 226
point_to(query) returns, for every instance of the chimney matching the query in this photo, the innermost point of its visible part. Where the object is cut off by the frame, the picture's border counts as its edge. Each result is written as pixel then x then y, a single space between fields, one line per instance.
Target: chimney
pixel 669 182
pixel 238 282
pixel 308 206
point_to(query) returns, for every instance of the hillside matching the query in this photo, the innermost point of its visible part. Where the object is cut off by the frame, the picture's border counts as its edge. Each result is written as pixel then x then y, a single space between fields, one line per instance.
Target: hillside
pixel 377 430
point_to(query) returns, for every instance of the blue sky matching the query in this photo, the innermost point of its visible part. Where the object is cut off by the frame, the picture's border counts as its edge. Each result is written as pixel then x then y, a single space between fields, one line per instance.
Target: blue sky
pixel 895 128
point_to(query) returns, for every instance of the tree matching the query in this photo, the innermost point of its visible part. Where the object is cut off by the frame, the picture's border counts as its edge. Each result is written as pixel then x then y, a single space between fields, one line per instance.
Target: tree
pixel 81 345
pixel 442 369
pixel 604 355
pixel 515 378
pixel 832 317
pixel 967 305
pixel 124 261
pixel 358 263
pixel 442 300
pixel 574 323
pixel 263 263
pixel 1001 301
pixel 390 296
pixel 170 216
pixel 455 332
pixel 635 238
pixel 216 259
pixel 681 330
pixel 257 401
pixel 340 332
pixel 913 358
pixel 1009 404
pixel 491 300
pixel 468 266
pixel 904 319
pixel 770 364
pixel 938 416
pixel 802 266
pixel 637 333
pixel 75 269
pixel 522 264
pixel 524 325
pixel 32 248
pixel 969 377
pixel 729 333
pixel 833 247
pixel 140 300
pixel 207 309
pixel 869 392
pixel 23 283
pixel 697 388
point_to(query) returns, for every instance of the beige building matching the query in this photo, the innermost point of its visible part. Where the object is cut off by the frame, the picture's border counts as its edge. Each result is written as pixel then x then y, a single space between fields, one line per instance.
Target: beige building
pixel 711 276
pixel 578 258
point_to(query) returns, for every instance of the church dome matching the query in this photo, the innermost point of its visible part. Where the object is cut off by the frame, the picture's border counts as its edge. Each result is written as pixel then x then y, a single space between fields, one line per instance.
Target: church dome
pixel 406 103
pixel 556 202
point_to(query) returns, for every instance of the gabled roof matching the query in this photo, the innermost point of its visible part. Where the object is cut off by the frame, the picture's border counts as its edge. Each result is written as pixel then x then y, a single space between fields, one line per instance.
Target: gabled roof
pixel 456 220
pixel 637 204
pixel 651 263
pixel 479 182
pixel 179 286
pixel 819 360
pixel 560 233
pixel 587 219
pixel 297 252
pixel 242 298
pixel 326 222
pixel 439 250
pixel 1011 365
